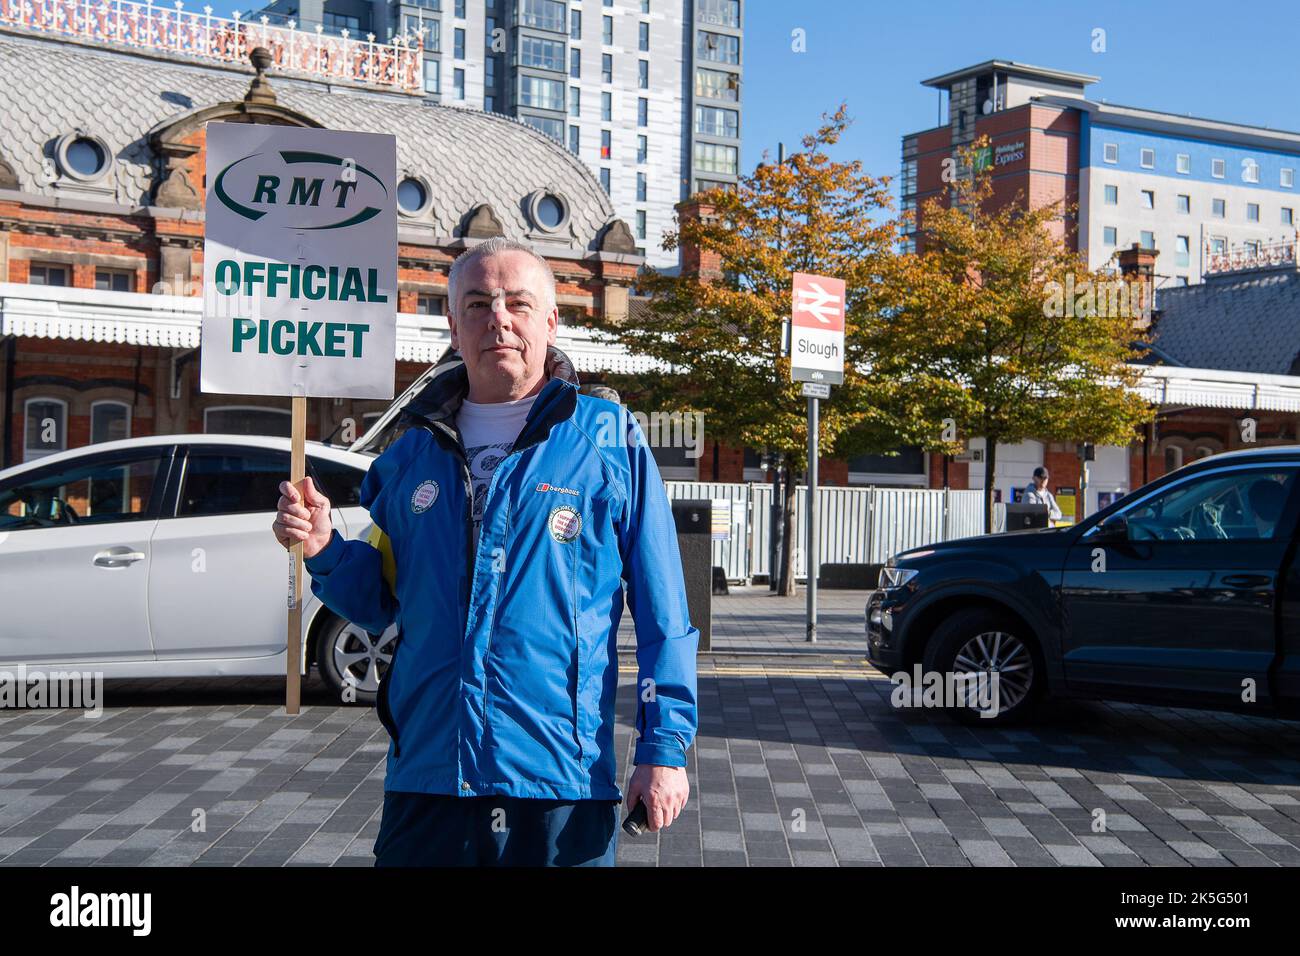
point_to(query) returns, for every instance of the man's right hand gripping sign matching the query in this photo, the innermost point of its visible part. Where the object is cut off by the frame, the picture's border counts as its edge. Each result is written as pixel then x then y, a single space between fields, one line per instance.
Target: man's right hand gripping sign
pixel 512 519
pixel 303 518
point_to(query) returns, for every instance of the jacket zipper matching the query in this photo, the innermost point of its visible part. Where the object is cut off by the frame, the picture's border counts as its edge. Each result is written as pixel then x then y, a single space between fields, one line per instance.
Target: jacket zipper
pixel 577 654
pixel 469 542
pixel 496 607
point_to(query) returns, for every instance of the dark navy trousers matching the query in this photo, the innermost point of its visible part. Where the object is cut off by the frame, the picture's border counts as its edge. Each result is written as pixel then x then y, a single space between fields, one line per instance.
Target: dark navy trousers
pixel 427 829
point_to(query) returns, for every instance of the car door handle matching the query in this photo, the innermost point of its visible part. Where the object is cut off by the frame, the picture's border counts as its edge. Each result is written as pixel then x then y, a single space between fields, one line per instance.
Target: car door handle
pixel 117 559
pixel 1246 580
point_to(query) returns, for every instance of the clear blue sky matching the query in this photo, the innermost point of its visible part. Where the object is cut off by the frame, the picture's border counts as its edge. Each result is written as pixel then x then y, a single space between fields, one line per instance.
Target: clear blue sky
pixel 1237 61
pixel 1234 60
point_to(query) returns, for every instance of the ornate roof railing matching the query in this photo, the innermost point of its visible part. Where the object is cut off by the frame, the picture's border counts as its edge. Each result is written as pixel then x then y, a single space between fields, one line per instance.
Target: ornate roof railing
pixel 173 29
pixel 1243 257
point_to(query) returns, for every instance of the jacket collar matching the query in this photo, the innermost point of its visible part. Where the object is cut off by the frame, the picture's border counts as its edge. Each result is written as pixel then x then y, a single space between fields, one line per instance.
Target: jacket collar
pixel 438 402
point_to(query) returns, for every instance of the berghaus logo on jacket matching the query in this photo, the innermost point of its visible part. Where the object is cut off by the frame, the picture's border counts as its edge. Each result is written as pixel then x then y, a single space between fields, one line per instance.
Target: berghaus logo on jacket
pixel 543 486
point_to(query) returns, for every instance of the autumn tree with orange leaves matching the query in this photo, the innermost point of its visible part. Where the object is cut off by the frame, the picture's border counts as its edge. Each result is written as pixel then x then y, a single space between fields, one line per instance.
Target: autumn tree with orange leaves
pixel 980 341
pixel 723 338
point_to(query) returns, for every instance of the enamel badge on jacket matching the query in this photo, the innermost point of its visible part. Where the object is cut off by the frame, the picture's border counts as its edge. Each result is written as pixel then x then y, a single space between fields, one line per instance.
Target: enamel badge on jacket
pixel 425 495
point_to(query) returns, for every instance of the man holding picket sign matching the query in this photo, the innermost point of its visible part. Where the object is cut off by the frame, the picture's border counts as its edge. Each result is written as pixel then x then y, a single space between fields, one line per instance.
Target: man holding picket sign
pixel 507 517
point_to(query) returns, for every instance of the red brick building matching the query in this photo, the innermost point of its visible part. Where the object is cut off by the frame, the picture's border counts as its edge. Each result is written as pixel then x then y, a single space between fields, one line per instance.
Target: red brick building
pixel 1035 142
pixel 101 234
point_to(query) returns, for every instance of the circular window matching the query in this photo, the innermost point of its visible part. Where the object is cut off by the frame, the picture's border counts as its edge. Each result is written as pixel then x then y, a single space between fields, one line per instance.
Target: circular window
pixel 82 156
pixel 548 211
pixel 85 157
pixel 413 197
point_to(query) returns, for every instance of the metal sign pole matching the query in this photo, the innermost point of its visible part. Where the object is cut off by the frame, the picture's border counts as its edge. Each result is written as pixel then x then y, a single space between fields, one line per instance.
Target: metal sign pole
pixel 775 528
pixel 817 360
pixel 810 560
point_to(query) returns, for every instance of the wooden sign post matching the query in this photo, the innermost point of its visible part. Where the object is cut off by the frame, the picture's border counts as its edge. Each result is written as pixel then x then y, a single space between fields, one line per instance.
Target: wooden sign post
pixel 297 471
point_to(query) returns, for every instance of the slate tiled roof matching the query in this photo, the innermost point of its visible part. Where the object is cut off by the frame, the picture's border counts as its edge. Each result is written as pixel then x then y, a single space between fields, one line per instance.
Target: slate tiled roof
pixel 53 86
pixel 1242 323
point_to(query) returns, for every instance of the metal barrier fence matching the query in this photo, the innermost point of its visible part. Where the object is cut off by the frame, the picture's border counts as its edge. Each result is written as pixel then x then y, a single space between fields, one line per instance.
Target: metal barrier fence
pixel 855 526
pixel 732 554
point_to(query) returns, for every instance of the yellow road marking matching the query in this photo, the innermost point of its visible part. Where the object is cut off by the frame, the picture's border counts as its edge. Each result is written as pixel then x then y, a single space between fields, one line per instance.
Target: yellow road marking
pixel 723 670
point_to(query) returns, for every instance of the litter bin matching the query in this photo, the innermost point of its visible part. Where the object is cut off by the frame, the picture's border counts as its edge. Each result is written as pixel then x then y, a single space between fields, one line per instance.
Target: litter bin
pixel 693 519
pixel 1023 516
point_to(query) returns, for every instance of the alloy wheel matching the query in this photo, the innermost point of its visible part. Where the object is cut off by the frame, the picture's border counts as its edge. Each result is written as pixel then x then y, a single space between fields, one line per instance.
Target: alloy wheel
pixel 998 660
pixel 364 656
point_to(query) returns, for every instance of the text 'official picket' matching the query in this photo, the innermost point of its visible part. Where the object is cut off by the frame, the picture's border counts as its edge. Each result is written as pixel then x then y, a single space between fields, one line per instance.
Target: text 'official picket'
pixel 315 282
pixel 286 337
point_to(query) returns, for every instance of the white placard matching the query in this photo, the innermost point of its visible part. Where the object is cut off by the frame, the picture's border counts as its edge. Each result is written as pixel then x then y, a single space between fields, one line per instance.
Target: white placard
pixel 299 262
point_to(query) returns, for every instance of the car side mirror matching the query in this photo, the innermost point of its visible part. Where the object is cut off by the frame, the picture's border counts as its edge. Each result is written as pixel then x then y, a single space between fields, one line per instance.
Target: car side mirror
pixel 1114 528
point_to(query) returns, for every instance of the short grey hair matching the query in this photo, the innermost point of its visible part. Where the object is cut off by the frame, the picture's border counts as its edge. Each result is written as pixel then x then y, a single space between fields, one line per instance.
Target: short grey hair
pixel 492 247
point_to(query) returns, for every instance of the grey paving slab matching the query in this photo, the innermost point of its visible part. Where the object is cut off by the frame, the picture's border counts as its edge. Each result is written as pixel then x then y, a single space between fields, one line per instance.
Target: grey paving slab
pixel 801 760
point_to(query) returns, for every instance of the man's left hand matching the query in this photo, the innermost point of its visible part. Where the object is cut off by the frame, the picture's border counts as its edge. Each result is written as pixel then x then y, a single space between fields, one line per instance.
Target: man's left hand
pixel 663 790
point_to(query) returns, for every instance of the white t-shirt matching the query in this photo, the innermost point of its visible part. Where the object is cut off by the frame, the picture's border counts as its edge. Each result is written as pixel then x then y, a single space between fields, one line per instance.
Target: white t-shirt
pixel 488 432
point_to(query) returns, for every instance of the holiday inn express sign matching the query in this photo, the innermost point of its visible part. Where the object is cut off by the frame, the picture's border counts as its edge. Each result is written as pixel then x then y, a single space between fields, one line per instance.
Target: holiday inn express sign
pixel 299 262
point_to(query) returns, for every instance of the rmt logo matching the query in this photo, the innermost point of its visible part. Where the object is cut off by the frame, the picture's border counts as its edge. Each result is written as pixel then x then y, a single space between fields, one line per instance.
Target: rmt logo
pixel 303 189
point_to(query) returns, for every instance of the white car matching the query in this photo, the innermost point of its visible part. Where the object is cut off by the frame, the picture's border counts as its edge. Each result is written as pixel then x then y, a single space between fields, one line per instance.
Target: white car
pixel 154 557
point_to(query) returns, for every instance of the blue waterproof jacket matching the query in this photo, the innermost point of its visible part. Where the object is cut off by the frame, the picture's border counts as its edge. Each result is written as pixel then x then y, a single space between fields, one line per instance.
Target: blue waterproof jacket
pixel 504 676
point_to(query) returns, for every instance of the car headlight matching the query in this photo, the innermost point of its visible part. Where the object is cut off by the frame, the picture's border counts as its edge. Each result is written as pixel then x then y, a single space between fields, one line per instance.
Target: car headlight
pixel 895 577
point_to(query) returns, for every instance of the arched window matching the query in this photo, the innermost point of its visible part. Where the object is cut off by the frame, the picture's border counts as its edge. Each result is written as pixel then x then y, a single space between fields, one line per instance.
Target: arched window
pixel 247 420
pixel 1173 458
pixel 46 428
pixel 109 421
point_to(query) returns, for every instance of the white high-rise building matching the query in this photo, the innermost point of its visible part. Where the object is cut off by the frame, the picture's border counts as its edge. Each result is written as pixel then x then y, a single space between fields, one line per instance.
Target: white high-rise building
pixel 646 92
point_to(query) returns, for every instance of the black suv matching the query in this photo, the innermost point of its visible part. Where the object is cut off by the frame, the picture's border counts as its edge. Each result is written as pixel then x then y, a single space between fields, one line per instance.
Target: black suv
pixel 1184 592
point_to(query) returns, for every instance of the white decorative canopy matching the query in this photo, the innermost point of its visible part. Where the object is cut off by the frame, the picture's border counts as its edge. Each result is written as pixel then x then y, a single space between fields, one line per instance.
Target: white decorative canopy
pixel 170 321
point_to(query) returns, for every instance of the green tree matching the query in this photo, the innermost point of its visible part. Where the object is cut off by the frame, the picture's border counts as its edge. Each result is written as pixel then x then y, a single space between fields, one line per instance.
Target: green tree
pixel 1003 333
pixel 722 335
